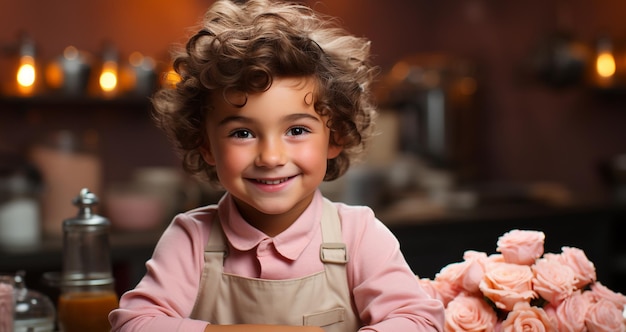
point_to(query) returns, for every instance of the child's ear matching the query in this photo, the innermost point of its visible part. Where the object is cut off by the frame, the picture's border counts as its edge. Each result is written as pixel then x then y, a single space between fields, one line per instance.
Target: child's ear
pixel 207 155
pixel 333 151
pixel 335 146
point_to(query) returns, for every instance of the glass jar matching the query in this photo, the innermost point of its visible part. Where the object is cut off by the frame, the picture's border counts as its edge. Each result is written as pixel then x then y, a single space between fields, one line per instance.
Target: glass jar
pixel 34 312
pixel 87 292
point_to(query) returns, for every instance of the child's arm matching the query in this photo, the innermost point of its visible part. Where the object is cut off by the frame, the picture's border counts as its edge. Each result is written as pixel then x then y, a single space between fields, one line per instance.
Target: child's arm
pixel 261 328
pixel 386 292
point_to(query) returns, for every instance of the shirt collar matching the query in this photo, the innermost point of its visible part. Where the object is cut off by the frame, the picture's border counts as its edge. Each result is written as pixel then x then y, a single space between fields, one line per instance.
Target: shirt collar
pixel 290 243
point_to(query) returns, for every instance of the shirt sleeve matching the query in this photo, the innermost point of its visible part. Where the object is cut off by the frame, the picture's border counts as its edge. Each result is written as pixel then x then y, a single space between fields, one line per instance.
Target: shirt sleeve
pixel 164 298
pixel 386 292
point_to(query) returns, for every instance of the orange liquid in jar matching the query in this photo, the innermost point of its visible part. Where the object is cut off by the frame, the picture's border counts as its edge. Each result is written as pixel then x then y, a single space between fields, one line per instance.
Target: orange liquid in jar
pixel 88 311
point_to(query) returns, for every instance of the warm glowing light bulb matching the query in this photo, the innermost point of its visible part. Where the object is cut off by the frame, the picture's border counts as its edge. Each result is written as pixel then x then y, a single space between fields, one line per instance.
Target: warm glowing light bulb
pixel 108 77
pixel 171 78
pixel 605 64
pixel 108 81
pixel 26 72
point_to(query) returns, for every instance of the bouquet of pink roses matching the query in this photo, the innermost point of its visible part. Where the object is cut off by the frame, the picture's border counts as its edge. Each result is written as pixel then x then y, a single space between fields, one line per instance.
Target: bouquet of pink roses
pixel 523 289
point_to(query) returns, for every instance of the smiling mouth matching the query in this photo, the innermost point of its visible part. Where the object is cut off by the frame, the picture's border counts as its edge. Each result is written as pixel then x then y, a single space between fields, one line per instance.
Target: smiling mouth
pixel 277 181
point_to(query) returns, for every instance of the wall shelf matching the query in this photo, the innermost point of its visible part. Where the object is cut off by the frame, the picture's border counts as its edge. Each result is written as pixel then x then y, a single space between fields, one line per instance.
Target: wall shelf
pixel 53 101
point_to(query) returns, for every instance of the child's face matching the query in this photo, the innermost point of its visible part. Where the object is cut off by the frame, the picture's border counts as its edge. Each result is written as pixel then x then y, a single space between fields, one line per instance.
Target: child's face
pixel 270 154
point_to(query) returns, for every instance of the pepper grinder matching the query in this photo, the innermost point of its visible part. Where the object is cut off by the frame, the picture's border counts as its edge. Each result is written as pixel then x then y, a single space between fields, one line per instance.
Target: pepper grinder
pixel 87 284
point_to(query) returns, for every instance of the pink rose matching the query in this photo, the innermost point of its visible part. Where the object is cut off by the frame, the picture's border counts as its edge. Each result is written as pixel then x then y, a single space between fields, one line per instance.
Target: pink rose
pixel 528 319
pixel 601 292
pixel 551 312
pixel 465 275
pixel 521 247
pixel 570 314
pixel 583 268
pixel 476 256
pixel 495 258
pixel 469 313
pixel 446 291
pixel 553 281
pixel 506 284
pixel 603 316
pixel 589 296
pixel 473 254
pixel 429 288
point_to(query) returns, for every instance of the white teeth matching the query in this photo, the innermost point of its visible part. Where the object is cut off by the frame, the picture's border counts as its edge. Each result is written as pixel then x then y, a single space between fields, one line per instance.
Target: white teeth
pixel 272 181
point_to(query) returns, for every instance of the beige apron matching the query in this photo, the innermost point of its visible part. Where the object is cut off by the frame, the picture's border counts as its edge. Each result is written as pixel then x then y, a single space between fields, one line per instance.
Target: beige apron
pixel 322 299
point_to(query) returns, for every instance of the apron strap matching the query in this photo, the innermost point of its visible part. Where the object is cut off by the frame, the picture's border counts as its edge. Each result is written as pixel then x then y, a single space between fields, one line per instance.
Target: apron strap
pixel 214 252
pixel 216 244
pixel 332 250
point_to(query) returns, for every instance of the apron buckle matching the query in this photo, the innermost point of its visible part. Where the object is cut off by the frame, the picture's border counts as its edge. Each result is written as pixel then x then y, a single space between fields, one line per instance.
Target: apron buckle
pixel 334 252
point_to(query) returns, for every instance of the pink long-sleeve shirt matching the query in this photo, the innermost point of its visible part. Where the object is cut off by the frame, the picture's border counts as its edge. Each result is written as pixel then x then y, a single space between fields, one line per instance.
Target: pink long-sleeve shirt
pixel 386 292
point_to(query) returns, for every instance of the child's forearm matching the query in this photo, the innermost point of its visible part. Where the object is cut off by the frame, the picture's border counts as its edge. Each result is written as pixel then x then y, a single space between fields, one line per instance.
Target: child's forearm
pixel 261 328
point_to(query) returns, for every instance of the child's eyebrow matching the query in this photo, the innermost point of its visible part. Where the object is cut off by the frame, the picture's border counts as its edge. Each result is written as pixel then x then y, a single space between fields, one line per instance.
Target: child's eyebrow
pixel 288 118
pixel 234 118
pixel 301 116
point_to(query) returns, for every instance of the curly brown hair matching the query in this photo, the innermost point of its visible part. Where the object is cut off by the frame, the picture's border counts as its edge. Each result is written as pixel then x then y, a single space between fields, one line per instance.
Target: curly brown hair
pixel 243 46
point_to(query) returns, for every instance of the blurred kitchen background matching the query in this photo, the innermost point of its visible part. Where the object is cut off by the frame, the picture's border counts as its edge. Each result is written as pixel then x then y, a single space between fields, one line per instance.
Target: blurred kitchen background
pixel 494 115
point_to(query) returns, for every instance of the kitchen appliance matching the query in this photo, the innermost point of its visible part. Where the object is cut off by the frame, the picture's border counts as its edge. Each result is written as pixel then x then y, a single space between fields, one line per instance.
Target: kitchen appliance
pixel 435 98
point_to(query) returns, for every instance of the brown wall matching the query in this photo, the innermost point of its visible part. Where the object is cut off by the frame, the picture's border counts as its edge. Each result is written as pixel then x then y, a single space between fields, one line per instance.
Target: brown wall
pixel 528 131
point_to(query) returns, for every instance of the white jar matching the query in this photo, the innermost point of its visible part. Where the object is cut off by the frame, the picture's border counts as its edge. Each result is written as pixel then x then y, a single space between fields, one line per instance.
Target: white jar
pixel 19 214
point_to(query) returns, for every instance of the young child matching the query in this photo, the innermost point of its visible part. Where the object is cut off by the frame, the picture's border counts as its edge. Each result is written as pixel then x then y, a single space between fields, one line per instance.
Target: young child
pixel 274 99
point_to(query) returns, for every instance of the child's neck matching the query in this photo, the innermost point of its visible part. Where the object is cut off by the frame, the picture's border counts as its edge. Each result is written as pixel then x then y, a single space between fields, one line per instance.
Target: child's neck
pixel 272 224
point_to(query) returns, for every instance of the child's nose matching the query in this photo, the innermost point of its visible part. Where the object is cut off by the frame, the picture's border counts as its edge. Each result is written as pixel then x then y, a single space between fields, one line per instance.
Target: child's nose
pixel 271 153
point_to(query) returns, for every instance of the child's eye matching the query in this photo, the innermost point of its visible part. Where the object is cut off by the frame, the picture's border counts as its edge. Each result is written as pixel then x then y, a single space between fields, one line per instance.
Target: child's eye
pixel 296 131
pixel 241 133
